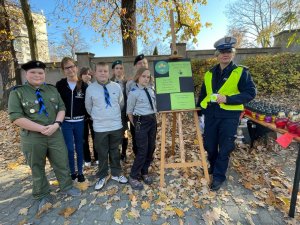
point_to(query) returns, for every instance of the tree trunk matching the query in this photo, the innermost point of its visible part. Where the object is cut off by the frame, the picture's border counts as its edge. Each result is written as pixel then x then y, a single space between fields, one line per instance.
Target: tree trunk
pixel 8 61
pixel 128 28
pixel 30 28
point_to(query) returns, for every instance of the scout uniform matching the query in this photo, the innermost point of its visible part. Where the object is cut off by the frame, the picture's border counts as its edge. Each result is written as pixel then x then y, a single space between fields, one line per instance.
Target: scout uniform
pixel 124 118
pixel 141 103
pixel 129 86
pixel 40 106
pixel 104 103
pixel 221 120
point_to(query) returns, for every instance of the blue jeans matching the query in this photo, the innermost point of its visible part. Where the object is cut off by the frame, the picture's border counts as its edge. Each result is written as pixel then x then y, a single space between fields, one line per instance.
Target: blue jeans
pixel 73 134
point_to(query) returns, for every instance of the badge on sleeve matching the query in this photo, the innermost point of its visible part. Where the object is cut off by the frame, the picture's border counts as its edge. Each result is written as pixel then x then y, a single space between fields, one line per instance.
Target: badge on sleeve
pixel 32 111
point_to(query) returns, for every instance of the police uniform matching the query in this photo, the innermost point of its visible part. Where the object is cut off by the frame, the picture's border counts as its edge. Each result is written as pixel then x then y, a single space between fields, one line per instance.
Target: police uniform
pixel 221 120
pixel 23 103
pixel 144 118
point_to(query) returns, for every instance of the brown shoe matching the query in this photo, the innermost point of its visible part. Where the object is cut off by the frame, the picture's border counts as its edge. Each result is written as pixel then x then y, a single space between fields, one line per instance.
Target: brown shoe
pixel 135 184
pixel 147 179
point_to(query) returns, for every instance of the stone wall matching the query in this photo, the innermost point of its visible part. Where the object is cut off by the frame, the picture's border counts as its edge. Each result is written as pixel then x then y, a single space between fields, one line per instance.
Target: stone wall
pixel 86 59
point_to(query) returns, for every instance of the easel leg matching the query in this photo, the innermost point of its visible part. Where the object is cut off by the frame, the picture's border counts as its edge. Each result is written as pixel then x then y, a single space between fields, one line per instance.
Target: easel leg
pixel 200 142
pixel 181 143
pixel 162 156
pixel 174 120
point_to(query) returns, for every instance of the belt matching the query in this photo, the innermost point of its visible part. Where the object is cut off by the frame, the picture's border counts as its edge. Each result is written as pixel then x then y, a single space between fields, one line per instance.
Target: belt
pixel 144 116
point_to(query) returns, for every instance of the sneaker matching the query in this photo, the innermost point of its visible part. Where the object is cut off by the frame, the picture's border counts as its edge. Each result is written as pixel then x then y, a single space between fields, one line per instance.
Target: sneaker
pixel 80 178
pixel 121 179
pixel 74 176
pixel 135 184
pixel 43 202
pixel 87 164
pixel 100 183
pixel 147 179
pixel 74 192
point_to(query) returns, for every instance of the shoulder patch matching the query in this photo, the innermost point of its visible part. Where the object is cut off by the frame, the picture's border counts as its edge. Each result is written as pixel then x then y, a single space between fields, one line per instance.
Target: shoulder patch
pixel 17 86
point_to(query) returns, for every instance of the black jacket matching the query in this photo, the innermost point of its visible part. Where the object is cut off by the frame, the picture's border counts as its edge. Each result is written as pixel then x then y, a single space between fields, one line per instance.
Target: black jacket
pixel 246 87
pixel 74 100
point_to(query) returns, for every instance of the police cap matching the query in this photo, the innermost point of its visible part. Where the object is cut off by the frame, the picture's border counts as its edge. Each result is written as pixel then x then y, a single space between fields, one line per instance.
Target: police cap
pixel 117 62
pixel 225 43
pixel 138 58
pixel 33 65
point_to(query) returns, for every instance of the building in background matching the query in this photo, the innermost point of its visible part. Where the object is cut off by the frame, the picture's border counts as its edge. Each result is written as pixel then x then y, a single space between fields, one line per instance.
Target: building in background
pixel 19 30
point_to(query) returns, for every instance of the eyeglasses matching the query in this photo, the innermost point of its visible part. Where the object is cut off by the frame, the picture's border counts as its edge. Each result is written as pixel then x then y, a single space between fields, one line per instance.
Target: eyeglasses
pixel 70 67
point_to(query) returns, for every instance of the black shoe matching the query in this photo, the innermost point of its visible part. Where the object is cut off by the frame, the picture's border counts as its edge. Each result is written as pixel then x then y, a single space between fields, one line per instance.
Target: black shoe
pixel 80 178
pixel 216 185
pixel 74 176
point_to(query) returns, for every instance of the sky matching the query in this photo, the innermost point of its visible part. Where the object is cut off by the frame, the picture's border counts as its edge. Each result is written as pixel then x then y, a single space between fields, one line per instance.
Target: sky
pixel 213 12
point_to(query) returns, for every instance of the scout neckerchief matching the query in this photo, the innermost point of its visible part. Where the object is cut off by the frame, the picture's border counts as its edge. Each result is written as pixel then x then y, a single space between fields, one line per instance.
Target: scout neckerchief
pixel 41 102
pixel 148 96
pixel 106 94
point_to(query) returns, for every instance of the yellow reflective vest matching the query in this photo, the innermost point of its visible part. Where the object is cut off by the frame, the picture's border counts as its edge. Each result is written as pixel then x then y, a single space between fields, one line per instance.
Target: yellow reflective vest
pixel 229 88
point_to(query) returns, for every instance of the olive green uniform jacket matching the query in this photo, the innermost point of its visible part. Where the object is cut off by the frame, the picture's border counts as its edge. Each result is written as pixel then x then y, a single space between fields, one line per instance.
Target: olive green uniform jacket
pixel 36 147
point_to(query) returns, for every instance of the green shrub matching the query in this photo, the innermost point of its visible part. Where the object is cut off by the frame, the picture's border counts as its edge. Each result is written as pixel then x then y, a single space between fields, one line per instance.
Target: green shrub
pixel 274 74
pixel 199 67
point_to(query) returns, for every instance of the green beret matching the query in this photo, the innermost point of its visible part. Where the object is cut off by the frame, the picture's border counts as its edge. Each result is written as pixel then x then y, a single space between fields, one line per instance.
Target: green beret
pixel 117 62
pixel 33 65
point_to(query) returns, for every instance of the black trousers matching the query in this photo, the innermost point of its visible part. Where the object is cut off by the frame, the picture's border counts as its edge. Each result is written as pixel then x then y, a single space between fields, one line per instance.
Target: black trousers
pixel 145 137
pixel 132 131
pixel 88 128
pixel 219 136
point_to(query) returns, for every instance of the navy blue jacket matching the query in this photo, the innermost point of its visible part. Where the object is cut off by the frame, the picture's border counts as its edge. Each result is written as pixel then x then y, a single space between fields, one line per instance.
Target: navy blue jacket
pixel 246 88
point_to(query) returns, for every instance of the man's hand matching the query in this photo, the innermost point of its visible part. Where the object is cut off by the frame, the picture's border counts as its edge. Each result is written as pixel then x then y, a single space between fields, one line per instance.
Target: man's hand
pixel 221 99
pixel 50 129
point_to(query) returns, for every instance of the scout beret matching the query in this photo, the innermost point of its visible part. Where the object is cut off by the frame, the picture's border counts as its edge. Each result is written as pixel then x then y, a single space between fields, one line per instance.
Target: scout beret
pixel 225 43
pixel 33 65
pixel 117 62
pixel 138 58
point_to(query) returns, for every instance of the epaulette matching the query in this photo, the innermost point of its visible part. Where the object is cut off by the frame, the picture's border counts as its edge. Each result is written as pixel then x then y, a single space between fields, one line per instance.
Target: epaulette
pixel 132 89
pixel 17 86
pixel 245 67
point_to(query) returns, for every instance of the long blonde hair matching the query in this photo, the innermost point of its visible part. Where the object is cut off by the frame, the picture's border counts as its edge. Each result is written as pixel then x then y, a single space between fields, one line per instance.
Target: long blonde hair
pixel 139 73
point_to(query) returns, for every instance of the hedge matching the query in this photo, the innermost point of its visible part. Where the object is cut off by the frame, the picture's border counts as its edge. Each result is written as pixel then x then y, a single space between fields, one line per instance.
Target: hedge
pixel 272 74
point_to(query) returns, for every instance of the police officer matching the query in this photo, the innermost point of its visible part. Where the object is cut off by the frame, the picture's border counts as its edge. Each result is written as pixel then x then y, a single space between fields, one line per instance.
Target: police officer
pixel 226 87
pixel 36 107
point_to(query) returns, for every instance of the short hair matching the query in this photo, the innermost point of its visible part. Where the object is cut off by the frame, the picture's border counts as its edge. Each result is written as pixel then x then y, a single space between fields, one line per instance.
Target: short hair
pixel 102 64
pixel 139 73
pixel 65 60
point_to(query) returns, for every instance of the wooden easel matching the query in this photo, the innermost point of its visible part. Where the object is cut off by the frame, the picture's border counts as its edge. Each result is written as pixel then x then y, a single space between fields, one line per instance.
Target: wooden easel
pixel 183 164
